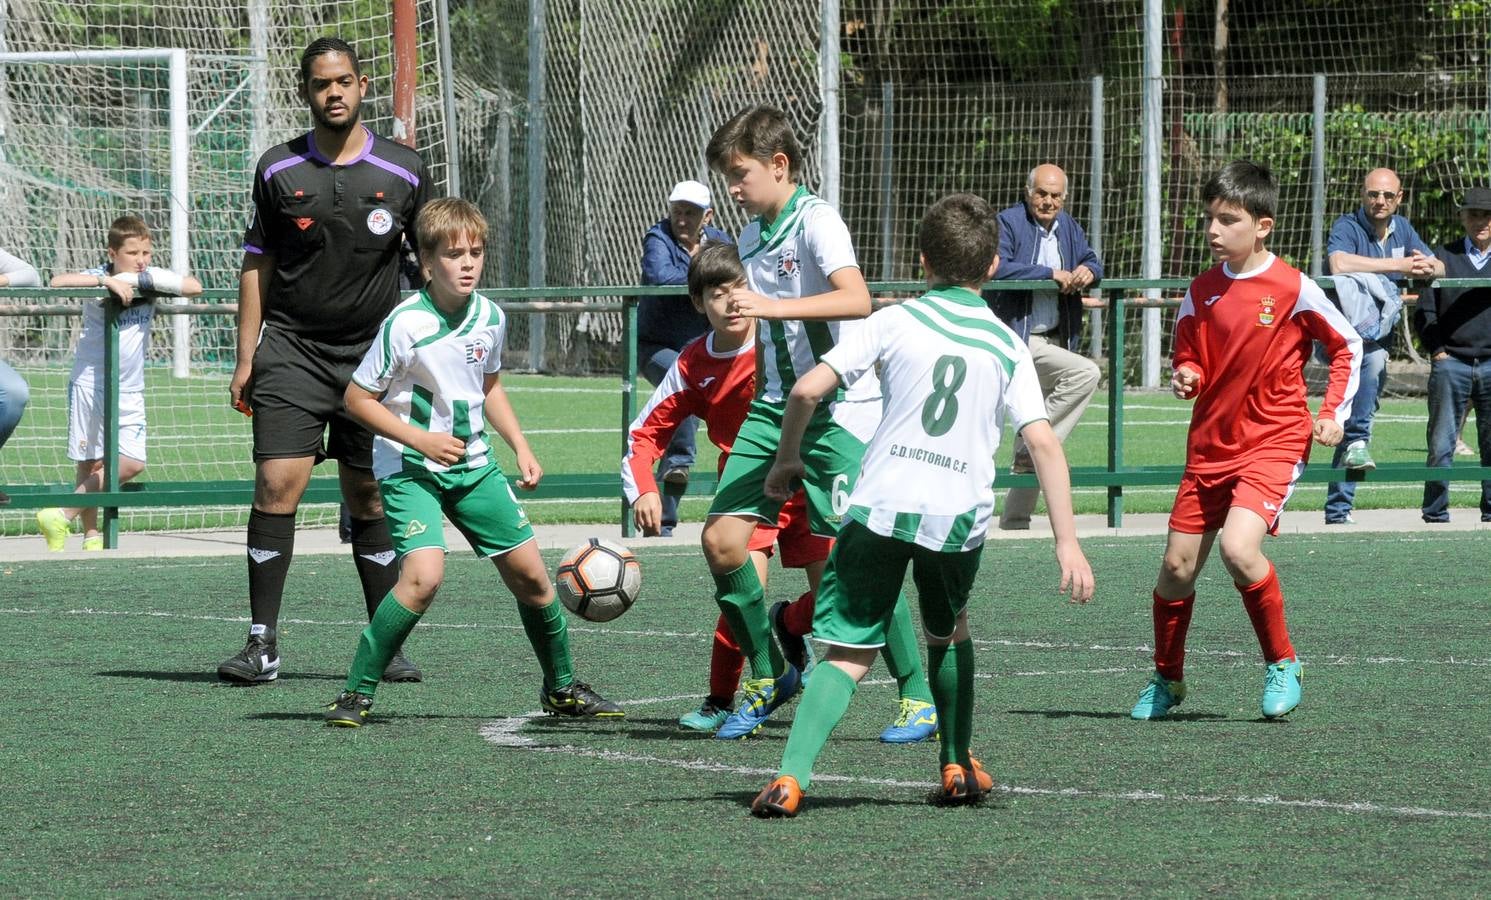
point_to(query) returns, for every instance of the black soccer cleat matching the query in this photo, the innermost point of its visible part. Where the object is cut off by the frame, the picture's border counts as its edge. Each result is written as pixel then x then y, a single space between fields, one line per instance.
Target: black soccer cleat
pixel 401 670
pixel 794 647
pixel 349 710
pixel 578 701
pixel 256 663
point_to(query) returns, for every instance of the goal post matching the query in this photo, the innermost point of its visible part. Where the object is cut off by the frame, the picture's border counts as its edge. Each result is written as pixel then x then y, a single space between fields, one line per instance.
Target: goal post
pixel 179 189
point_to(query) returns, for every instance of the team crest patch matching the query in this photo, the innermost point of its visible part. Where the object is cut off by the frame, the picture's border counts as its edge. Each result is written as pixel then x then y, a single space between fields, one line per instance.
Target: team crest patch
pixel 1266 312
pixel 380 221
pixel 476 353
pixel 787 265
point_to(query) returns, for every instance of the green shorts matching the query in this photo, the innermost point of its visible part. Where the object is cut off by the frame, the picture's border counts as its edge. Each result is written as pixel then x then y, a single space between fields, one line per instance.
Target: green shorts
pixel 830 456
pixel 481 504
pixel 857 596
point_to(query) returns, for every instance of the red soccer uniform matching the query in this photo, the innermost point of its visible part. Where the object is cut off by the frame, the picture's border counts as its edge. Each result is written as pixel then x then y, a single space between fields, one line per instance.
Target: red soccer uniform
pixel 1248 336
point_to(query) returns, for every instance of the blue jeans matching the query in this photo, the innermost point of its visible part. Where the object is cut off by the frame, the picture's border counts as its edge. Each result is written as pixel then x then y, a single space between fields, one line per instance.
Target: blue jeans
pixel 13 396
pixel 1454 384
pixel 1340 495
pixel 655 360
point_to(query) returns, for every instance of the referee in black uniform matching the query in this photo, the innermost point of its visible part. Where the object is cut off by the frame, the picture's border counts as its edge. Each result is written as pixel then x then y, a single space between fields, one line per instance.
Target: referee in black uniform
pixel 320 273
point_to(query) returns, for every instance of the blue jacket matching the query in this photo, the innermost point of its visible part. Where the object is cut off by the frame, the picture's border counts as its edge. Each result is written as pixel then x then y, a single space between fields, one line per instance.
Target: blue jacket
pixel 1019 244
pixel 669 321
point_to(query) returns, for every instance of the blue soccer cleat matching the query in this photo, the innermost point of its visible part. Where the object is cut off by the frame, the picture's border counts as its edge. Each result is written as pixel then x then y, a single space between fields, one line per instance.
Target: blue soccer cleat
pixel 916 723
pixel 759 698
pixel 1158 698
pixel 1282 686
pixel 707 718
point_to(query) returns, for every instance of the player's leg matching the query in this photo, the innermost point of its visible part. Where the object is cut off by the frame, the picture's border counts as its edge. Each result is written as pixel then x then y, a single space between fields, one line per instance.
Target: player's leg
pixel 1068 381
pixel 85 438
pixel 916 715
pixel 801 549
pixel 858 593
pixel 1256 580
pixel 726 662
pixel 1480 398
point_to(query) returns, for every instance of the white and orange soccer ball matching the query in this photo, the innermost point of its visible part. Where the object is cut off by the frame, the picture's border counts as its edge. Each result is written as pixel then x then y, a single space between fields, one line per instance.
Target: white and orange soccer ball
pixel 598 580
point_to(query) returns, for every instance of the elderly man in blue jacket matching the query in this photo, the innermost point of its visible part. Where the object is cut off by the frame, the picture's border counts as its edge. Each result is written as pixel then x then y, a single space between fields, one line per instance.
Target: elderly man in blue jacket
pixel 1039 240
pixel 666 323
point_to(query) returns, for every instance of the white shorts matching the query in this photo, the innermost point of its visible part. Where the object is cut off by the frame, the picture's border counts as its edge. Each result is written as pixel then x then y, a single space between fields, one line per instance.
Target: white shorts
pixel 85 423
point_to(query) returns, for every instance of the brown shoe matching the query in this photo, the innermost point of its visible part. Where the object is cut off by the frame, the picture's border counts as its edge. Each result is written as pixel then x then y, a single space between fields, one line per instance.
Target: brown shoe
pixel 780 799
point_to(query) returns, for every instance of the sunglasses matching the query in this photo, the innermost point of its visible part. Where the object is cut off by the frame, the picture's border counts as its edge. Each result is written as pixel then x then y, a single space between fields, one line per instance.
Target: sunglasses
pixel 1386 195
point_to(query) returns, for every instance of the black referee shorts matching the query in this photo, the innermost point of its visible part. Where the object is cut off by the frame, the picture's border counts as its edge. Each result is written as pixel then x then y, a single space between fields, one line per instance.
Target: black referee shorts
pixel 296 393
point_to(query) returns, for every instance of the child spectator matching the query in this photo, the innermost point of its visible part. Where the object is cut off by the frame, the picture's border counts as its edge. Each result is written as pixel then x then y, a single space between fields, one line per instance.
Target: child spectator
pixel 1242 337
pixel 133 282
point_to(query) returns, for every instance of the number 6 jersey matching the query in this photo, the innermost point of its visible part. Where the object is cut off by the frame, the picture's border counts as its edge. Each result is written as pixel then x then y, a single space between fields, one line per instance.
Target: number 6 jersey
pixel 951 374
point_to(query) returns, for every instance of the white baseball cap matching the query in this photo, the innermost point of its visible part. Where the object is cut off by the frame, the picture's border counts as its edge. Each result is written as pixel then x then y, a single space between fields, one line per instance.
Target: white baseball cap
pixel 690 192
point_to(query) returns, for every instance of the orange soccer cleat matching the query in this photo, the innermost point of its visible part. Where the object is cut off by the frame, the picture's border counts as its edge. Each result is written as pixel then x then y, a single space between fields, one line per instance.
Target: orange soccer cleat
pixel 779 800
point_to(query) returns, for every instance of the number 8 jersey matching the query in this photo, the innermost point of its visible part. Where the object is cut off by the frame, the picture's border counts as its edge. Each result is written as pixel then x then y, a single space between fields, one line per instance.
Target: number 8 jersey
pixel 952 374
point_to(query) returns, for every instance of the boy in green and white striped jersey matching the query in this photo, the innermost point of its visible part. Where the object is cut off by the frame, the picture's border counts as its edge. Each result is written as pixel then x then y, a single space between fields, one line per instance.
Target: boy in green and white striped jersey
pixel 427 387
pixel 953 375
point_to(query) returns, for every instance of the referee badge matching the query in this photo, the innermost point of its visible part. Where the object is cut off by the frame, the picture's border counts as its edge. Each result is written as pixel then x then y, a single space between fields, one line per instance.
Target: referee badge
pixel 380 221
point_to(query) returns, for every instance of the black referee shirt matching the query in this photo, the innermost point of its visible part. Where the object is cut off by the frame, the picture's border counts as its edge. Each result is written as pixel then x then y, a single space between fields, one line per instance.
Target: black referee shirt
pixel 334 232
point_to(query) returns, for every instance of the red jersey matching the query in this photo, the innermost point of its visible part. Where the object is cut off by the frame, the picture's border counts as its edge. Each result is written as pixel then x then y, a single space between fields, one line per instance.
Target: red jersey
pixel 717 388
pixel 1248 336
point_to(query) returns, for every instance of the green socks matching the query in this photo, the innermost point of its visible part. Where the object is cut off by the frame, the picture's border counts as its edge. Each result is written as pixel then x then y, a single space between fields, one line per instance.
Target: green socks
pixel 380 641
pixel 902 654
pixel 549 635
pixel 822 705
pixel 952 688
pixel 742 601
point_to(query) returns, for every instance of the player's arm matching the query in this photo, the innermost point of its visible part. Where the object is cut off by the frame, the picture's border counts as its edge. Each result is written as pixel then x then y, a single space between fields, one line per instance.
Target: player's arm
pixel 16 272
pixel 849 299
pixel 809 391
pixel 1319 319
pixel 1187 376
pixel 668 407
pixel 499 411
pixel 1056 484
pixel 367 407
pixel 122 289
pixel 253 276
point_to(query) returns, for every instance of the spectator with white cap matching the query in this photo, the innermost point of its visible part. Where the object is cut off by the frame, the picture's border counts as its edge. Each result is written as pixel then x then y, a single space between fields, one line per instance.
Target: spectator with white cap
pixel 666 323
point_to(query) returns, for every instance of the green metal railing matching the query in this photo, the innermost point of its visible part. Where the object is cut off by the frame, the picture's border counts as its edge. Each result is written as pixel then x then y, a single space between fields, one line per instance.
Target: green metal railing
pixel 1112 294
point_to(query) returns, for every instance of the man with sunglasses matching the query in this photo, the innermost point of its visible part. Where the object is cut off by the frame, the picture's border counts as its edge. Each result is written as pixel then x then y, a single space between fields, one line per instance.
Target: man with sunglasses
pixel 1039 240
pixel 1374 239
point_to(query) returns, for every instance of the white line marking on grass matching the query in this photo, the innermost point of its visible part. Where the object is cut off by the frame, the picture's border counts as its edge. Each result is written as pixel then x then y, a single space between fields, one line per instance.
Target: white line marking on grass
pixel 505 733
pixel 616 430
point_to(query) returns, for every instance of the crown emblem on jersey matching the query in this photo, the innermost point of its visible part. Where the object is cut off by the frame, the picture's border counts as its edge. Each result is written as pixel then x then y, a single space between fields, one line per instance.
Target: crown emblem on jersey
pixel 787 266
pixel 1266 311
pixel 304 222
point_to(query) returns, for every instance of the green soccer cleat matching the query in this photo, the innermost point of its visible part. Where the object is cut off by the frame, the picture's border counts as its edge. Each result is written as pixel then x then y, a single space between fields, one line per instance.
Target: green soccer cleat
pixel 707 718
pixel 1158 698
pixel 54 527
pixel 1283 683
pixel 578 701
pixel 349 710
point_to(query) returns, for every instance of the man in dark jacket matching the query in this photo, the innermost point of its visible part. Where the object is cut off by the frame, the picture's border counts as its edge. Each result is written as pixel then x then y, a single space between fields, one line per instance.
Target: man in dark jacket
pixel 1455 326
pixel 666 324
pixel 1039 240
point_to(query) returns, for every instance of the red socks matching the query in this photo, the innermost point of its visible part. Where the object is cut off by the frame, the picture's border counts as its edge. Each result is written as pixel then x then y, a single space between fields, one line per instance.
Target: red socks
pixel 725 664
pixel 798 616
pixel 1264 602
pixel 1171 620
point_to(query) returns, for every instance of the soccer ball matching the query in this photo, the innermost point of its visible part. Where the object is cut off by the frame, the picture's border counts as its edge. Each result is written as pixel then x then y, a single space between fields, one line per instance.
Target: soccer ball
pixel 598 580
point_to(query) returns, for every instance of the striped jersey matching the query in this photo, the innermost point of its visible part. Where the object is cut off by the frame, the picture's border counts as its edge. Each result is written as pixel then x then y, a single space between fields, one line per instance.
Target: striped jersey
pixel 793 257
pixel 431 366
pixel 953 375
pixel 1249 336
pixel 716 387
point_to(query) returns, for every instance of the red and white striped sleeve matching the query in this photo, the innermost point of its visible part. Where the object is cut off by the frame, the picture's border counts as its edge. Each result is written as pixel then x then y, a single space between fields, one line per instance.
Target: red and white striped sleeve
pixel 1185 349
pixel 1322 321
pixel 647 437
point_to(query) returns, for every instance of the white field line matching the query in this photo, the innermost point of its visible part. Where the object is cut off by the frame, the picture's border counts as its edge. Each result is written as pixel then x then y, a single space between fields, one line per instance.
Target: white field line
pixel 1141 649
pixel 505 733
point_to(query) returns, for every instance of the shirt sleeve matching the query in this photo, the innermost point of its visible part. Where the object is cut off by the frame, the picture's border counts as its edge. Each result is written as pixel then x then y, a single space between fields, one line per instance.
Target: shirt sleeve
pixel 671 403
pixel 386 357
pixel 256 238
pixel 860 345
pixel 1184 348
pixel 1344 238
pixel 493 363
pixel 658 265
pixel 20 272
pixel 827 240
pixel 1322 321
pixel 417 201
pixel 1023 401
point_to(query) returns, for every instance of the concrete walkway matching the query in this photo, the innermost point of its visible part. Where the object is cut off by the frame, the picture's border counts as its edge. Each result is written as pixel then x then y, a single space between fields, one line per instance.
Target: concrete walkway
pixel 557 537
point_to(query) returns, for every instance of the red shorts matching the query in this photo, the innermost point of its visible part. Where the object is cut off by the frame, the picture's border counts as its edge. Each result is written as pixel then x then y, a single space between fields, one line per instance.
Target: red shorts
pixel 800 546
pixel 1202 501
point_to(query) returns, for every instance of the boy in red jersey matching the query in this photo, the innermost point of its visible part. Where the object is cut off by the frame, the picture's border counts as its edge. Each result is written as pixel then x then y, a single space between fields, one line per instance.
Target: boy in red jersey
pixel 1242 337
pixel 714 378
